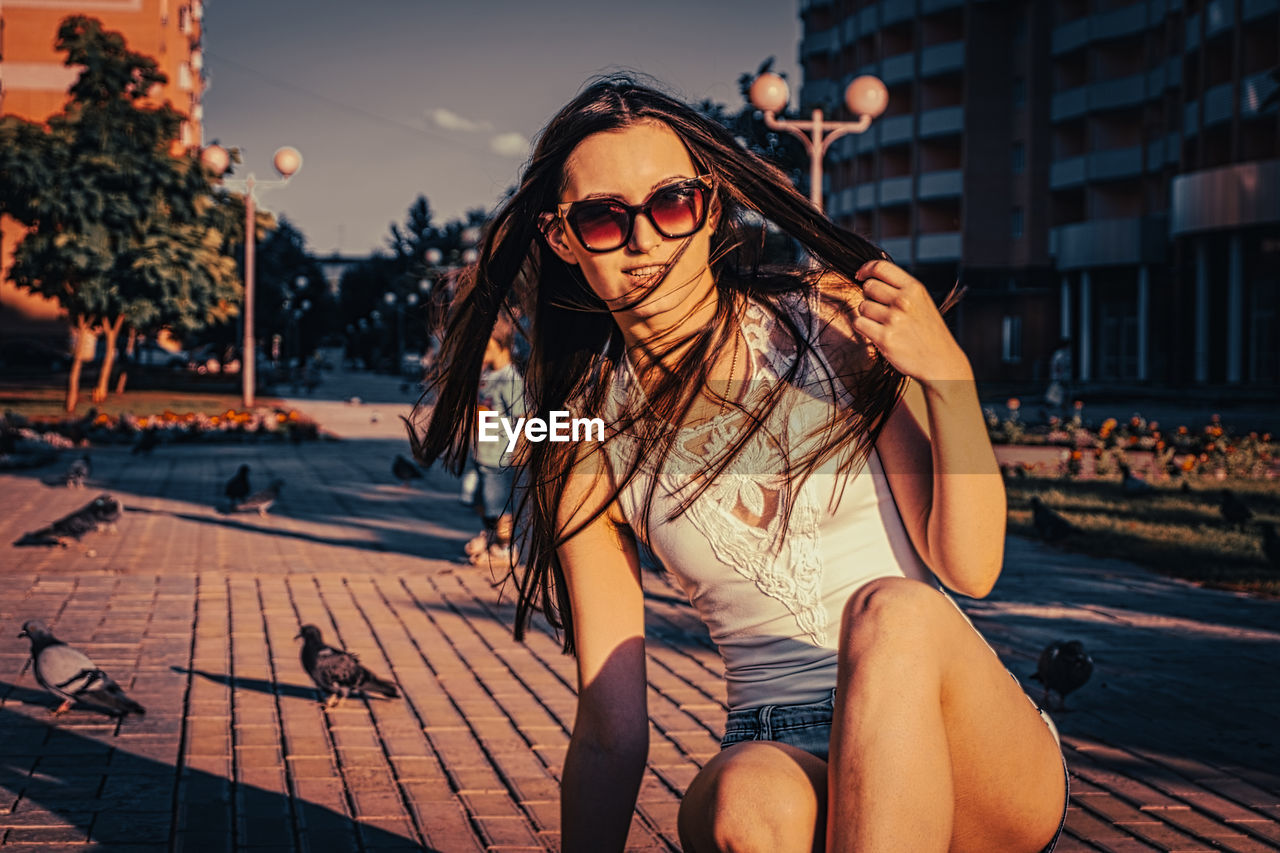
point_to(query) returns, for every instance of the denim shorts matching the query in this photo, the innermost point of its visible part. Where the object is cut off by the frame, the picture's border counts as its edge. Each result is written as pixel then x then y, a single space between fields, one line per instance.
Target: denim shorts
pixel 494 487
pixel 808 726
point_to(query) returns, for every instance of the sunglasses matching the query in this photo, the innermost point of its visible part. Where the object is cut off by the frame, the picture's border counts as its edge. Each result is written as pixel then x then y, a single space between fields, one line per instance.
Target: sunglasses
pixel 604 224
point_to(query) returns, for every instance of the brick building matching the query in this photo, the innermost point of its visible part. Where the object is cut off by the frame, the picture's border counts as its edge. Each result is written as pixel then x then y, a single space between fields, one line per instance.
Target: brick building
pixel 1101 170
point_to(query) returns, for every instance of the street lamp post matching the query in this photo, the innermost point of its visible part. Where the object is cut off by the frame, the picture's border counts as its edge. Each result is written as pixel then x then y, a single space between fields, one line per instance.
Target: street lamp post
pixel 287 162
pixel 866 97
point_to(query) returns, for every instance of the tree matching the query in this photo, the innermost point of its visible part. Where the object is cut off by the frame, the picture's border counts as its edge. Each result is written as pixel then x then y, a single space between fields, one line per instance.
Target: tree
pixel 121 230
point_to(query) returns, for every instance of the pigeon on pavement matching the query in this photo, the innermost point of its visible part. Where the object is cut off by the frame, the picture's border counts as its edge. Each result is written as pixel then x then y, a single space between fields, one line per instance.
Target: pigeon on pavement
pixel 261 501
pixel 71 675
pixel 101 513
pixel 336 672
pixel 77 472
pixel 404 470
pixel 1050 525
pixel 1234 510
pixel 237 488
pixel 1131 484
pixel 1064 666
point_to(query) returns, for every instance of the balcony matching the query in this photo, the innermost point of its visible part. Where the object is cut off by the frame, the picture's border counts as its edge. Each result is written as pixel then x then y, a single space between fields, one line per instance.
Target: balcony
pixel 942 58
pixel 948 183
pixel 893 11
pixel 819 43
pixel 943 246
pixel 896 129
pixel 1070 36
pixel 1219 15
pixel 1067 173
pixel 1069 104
pixel 895 190
pixel 1121 92
pixel 1217 104
pixel 1111 242
pixel 866 197
pixel 868 21
pixel 1116 163
pixel 1109 165
pixel 897 69
pixel 941 121
pixel 1120 23
pixel 1237 196
pixel 1257 8
pixel 899 248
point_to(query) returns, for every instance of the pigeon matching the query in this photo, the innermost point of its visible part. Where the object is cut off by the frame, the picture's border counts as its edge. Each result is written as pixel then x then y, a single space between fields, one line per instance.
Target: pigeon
pixel 1234 510
pixel 237 488
pixel 1050 525
pixel 147 441
pixel 261 501
pixel 1271 545
pixel 1131 484
pixel 79 471
pixel 404 470
pixel 336 672
pixel 1063 667
pixel 70 674
pixel 73 478
pixel 101 513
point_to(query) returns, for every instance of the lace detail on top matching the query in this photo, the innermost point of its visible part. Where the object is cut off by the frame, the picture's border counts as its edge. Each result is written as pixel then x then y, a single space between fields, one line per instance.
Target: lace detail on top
pixel 742 512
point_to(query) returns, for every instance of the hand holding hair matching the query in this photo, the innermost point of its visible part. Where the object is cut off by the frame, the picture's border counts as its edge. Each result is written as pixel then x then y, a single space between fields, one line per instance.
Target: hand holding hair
pixel 900 318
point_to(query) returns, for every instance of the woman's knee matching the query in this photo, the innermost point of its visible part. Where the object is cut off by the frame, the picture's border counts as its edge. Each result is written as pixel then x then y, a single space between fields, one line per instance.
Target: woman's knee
pixel 751 797
pixel 908 607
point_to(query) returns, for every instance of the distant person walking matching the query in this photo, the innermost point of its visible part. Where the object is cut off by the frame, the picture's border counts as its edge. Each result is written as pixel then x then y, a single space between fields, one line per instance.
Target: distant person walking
pixel 1059 390
pixel 501 390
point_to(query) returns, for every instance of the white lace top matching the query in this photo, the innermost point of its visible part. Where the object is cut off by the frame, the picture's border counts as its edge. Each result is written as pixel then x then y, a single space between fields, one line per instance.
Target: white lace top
pixel 771 598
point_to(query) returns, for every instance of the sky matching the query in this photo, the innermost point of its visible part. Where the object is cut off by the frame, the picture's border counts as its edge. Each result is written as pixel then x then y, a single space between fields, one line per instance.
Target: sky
pixel 389 99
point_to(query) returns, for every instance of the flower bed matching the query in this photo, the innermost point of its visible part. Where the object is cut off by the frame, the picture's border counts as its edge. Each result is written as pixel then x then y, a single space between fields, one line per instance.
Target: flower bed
pixel 262 424
pixel 1151 452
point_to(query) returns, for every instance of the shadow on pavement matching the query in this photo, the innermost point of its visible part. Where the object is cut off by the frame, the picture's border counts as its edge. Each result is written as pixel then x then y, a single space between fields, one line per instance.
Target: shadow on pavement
pixel 257 684
pixel 94 789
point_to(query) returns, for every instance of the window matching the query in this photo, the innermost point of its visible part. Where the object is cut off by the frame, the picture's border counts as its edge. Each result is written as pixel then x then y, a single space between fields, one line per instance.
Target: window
pixel 1018 158
pixel 1015 223
pixel 1011 340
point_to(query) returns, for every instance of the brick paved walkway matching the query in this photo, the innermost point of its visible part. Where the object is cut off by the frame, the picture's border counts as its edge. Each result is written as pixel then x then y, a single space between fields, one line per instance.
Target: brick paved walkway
pixel 1172 746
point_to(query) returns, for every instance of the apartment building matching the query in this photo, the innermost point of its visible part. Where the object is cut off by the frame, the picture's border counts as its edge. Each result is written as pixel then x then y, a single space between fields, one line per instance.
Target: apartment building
pixel 34 83
pixel 1099 170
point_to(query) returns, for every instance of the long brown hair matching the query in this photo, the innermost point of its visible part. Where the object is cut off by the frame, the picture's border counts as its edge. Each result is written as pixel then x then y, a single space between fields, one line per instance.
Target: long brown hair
pixel 575 345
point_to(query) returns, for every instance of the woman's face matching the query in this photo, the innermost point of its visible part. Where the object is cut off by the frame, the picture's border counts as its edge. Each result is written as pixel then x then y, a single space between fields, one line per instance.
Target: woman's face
pixel 629 165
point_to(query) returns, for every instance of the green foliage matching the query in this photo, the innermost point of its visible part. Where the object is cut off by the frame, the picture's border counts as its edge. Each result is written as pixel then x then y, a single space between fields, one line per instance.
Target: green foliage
pixel 121 230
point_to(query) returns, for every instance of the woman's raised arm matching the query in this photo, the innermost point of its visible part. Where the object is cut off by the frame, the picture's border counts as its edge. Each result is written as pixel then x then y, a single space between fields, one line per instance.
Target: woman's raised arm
pixel 935 449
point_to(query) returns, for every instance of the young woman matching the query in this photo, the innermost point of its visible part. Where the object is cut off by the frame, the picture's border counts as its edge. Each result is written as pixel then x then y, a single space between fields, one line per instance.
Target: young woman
pixel 804 451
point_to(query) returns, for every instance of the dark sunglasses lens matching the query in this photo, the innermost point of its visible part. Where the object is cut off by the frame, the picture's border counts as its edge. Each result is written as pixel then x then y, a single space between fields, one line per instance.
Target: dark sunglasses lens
pixel 600 226
pixel 678 211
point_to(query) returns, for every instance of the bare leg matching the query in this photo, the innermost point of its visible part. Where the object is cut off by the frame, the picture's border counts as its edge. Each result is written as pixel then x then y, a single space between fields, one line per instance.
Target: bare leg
pixel 756 796
pixel 934 747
